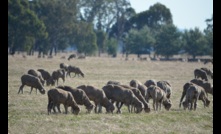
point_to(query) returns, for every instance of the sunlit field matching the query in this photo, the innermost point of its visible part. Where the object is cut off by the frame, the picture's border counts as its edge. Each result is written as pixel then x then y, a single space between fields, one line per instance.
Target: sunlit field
pixel 27 113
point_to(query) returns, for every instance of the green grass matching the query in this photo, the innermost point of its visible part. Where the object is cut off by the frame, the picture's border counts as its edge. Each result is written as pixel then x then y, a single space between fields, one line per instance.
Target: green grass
pixel 27 114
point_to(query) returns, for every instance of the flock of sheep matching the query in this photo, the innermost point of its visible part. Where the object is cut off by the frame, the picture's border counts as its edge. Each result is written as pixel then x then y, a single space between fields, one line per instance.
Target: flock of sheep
pixel 135 96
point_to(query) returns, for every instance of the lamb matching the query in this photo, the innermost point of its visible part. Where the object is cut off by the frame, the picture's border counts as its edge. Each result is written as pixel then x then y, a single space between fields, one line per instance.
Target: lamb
pixel 74 69
pixel 47 77
pixel 99 98
pixel 119 94
pixel 167 88
pixel 71 56
pixel 208 87
pixel 185 87
pixel 194 93
pixel 60 73
pixel 198 73
pixel 150 82
pixel 208 72
pixel 37 74
pixel 32 81
pixel 140 86
pixel 80 97
pixel 58 96
pixel 159 97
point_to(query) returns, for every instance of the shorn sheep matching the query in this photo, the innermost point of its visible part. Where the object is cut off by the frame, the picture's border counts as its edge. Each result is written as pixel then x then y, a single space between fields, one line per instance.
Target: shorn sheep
pixel 75 70
pixel 208 72
pixel 80 97
pixel 58 96
pixel 47 77
pixel 98 97
pixel 37 74
pixel 150 82
pixel 166 86
pixel 199 73
pixel 194 93
pixel 137 84
pixel 185 87
pixel 208 87
pixel 32 81
pixel 125 96
pixel 159 97
pixel 60 73
pixel 71 56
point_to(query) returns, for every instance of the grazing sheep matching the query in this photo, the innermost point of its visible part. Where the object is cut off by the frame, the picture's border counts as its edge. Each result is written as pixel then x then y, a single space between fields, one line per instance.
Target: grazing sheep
pixel 37 74
pixel 208 72
pixel 58 96
pixel 113 82
pixel 194 93
pixel 167 88
pixel 185 87
pixel 150 82
pixel 138 94
pixel 137 84
pixel 32 81
pixel 208 60
pixel 198 73
pixel 81 57
pixel 208 87
pixel 159 97
pixel 60 73
pixel 125 96
pixel 71 56
pixel 75 70
pixel 80 97
pixel 47 77
pixel 99 98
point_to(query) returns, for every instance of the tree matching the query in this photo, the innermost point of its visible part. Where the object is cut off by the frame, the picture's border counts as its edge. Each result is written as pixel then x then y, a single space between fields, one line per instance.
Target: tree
pixel 112 47
pixel 168 41
pixel 209 35
pixel 101 38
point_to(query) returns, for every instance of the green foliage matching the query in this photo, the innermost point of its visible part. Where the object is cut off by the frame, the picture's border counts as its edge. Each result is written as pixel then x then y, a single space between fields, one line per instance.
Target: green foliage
pixel 112 47
pixel 101 38
pixel 168 41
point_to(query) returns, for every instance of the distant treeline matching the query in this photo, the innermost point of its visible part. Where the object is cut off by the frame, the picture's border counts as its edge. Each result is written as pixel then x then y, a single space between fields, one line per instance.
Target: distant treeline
pixel 95 27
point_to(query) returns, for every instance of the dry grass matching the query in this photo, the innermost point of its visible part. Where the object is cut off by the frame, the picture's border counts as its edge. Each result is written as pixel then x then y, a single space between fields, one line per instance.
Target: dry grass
pixel 28 113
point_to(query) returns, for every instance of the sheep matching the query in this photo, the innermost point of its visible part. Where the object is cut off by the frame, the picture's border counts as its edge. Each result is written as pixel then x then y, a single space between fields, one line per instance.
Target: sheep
pixel 37 74
pixel 159 97
pixel 60 73
pixel 208 60
pixel 71 56
pixel 47 77
pixel 120 94
pixel 113 82
pixel 64 66
pixel 185 87
pixel 208 87
pixel 140 86
pixel 80 97
pixel 194 93
pixel 138 94
pixel 58 96
pixel 99 98
pixel 74 69
pixel 150 82
pixel 32 81
pixel 208 72
pixel 166 86
pixel 198 73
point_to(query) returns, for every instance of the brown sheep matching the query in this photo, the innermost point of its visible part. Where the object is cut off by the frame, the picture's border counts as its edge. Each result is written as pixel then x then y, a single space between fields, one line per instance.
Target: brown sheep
pixel 37 74
pixel 199 73
pixel 80 97
pixel 58 96
pixel 64 66
pixel 208 87
pixel 167 88
pixel 137 84
pixel 47 77
pixel 208 72
pixel 208 60
pixel 113 82
pixel 194 93
pixel 32 81
pixel 75 70
pixel 60 73
pixel 150 82
pixel 159 97
pixel 99 98
pixel 71 56
pixel 185 87
pixel 125 96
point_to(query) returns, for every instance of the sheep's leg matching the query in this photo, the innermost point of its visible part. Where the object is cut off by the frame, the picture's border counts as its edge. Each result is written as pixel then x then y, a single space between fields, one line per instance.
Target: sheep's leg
pixel 21 89
pixel 99 108
pixel 195 104
pixel 31 90
pixel 66 108
pixel 58 107
pixel 204 102
pixel 154 101
pixel 53 106
pixel 119 107
pixel 181 99
pixel 95 109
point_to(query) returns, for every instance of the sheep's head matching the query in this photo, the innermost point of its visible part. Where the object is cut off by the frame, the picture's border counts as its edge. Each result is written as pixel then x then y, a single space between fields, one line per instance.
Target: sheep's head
pixel 42 91
pixel 185 105
pixel 75 110
pixel 110 108
pixel 90 108
pixel 207 103
pixel 167 104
